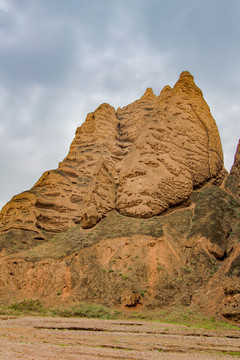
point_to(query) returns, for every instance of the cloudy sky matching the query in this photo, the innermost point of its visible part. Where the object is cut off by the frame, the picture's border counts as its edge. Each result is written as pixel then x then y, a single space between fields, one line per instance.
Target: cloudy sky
pixel 60 59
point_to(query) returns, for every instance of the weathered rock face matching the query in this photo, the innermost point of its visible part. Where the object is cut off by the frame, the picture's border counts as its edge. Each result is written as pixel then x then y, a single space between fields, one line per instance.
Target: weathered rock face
pixel 235 170
pixel 60 197
pixel 187 256
pixel 141 160
pixel 177 149
pixel 160 155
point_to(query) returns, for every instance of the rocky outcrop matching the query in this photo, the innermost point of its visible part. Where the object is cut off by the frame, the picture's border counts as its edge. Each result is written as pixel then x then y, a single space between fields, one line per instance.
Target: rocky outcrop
pixel 60 198
pixel 141 160
pixel 176 150
pixel 140 213
pixel 189 256
pixel 235 170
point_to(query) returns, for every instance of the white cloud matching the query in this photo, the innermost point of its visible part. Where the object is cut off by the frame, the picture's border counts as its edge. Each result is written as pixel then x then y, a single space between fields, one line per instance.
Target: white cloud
pixel 4 5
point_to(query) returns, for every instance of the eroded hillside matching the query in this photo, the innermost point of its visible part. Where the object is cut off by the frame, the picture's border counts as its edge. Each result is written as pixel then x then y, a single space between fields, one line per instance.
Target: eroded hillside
pixel 141 213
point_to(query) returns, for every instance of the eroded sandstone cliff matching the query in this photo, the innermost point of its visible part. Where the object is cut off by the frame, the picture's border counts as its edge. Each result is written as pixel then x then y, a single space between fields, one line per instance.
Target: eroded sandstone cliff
pixel 141 160
pixel 141 212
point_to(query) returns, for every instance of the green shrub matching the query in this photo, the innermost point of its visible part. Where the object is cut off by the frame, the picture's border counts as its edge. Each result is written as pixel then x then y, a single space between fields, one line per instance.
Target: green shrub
pixel 88 311
pixel 27 305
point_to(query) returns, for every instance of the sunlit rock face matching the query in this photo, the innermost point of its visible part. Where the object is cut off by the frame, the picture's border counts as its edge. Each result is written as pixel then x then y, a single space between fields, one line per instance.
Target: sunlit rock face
pixel 175 147
pixel 140 160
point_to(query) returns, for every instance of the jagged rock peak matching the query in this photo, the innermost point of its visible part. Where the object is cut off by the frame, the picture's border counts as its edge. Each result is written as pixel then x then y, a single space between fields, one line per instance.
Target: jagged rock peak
pixel 187 85
pixel 166 88
pixel 148 94
pixel 186 74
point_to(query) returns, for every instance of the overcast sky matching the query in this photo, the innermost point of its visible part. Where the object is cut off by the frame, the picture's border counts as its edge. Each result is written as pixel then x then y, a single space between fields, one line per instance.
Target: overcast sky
pixel 60 59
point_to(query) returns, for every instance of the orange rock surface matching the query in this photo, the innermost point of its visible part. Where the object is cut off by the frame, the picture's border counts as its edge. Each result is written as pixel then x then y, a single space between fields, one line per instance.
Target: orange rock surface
pixel 141 160
pixel 140 213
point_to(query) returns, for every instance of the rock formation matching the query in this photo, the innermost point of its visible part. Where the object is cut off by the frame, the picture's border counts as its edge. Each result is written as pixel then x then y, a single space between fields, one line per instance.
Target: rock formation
pixel 149 181
pixel 141 160
pixel 235 170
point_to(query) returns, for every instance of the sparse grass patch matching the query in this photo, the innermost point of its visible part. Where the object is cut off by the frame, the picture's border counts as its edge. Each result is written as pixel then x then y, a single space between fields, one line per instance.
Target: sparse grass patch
pixel 27 306
pixel 180 315
pixel 185 269
pixel 178 280
pixel 138 315
pixel 124 276
pixel 187 316
pixel 76 238
pixel 232 353
pixel 160 266
pixel 142 293
pixel 88 311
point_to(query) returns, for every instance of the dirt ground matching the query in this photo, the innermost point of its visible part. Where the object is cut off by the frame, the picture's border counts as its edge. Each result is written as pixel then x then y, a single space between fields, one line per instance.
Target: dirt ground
pixel 39 338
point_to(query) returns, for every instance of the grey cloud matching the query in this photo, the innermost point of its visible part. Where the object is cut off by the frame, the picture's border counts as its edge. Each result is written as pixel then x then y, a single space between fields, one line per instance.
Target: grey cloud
pixel 60 60
pixel 37 56
pixel 202 34
pixel 45 40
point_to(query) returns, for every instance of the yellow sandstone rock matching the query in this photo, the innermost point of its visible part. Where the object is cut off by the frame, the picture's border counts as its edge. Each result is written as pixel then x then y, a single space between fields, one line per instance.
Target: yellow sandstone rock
pixel 140 160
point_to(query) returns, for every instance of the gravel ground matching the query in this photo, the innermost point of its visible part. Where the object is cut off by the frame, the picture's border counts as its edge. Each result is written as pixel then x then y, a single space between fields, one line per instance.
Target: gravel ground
pixel 39 338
